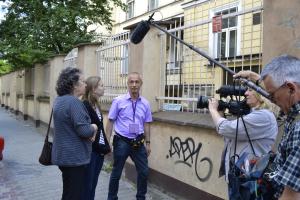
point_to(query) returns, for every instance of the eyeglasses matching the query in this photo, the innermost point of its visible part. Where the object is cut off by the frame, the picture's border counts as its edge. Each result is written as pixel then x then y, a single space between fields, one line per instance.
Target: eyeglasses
pixel 272 94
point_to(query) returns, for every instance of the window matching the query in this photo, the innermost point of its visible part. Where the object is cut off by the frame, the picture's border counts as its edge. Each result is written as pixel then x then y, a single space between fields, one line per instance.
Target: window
pixel 256 18
pixel 175 51
pixel 175 48
pixel 130 9
pixel 225 42
pixel 153 4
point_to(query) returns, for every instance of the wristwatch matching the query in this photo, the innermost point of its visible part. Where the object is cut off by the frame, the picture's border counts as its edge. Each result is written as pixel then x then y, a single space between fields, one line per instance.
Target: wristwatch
pixel 147 142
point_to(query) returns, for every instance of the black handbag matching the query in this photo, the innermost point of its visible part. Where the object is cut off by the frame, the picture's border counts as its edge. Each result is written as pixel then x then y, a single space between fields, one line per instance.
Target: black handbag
pixel 246 175
pixel 45 157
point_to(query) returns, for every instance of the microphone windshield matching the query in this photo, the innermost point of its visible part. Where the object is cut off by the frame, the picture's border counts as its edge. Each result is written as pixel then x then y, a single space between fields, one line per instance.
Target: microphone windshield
pixel 139 32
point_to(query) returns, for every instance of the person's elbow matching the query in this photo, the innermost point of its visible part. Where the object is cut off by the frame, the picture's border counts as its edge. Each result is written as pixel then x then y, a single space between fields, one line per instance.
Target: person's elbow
pixel 86 131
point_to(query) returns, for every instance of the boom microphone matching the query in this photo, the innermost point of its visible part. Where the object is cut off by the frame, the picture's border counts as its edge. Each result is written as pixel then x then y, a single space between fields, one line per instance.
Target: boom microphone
pixel 141 30
pixel 143 27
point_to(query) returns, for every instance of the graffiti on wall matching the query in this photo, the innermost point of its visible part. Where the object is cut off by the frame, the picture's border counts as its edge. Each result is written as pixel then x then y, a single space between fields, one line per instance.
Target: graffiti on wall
pixel 186 152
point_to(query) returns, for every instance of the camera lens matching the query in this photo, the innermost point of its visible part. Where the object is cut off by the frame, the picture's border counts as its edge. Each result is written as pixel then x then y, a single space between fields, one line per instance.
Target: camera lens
pixel 202 102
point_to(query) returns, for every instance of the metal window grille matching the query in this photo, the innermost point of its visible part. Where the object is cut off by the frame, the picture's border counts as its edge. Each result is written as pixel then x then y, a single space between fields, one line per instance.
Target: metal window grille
pixel 238 45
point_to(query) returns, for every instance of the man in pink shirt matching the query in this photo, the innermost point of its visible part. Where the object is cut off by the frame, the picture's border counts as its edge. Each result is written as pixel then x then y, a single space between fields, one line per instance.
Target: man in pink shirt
pixel 131 116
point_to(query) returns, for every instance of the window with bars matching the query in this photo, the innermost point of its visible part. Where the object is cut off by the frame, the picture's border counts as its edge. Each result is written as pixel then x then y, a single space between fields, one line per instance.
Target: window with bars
pixel 228 79
pixel 225 42
pixel 175 48
pixel 130 9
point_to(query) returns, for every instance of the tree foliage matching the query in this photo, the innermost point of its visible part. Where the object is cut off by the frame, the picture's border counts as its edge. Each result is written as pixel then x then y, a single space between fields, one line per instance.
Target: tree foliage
pixel 35 29
pixel 4 67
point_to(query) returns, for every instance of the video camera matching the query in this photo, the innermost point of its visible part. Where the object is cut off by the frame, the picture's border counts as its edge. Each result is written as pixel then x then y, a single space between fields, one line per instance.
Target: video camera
pixel 235 107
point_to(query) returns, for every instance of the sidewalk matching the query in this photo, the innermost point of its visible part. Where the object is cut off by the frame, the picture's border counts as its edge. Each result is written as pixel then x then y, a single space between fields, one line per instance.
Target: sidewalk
pixel 23 178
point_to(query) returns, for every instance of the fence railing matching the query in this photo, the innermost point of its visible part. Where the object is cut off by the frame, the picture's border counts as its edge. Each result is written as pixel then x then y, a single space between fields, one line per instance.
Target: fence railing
pixel 112 65
pixel 71 59
pixel 228 31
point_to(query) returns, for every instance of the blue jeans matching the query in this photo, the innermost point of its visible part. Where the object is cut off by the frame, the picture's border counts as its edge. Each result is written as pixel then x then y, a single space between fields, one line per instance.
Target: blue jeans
pixel 121 152
pixel 93 171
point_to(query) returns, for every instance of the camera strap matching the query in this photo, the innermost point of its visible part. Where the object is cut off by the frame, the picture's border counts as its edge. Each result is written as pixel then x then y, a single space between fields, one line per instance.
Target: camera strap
pixel 236 135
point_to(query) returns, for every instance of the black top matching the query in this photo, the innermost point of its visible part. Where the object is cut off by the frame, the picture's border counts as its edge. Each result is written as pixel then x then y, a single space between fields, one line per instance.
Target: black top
pixel 97 147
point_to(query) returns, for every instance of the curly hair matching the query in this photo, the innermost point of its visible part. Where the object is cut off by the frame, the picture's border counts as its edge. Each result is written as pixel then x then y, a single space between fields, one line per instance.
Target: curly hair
pixel 66 81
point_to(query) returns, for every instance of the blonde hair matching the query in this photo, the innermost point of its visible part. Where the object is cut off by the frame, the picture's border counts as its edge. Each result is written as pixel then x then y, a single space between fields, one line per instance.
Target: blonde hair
pixel 262 101
pixel 266 104
pixel 91 83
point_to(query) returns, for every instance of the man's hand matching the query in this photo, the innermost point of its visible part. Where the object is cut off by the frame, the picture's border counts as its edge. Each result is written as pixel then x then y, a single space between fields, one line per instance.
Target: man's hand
pixel 248 75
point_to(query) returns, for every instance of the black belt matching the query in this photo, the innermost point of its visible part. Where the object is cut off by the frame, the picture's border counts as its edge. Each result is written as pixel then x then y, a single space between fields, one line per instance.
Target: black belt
pixel 129 139
pixel 134 142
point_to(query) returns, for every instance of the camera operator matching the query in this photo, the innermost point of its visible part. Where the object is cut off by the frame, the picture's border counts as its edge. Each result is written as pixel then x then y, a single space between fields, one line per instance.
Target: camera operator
pixel 260 124
pixel 281 78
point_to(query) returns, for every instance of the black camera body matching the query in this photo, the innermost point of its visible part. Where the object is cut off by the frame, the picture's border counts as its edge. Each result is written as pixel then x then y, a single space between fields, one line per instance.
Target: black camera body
pixel 235 107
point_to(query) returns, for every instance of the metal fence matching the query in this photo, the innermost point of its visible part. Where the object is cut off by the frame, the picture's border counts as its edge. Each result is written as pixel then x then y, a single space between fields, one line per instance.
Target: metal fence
pixel 228 31
pixel 71 59
pixel 112 65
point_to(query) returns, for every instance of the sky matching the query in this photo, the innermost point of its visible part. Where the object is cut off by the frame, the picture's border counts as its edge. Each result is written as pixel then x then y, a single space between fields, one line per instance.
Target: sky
pixel 2 11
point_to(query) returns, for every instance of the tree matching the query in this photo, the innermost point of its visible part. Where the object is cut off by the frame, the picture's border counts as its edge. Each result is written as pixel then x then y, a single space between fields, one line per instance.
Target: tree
pixel 4 67
pixel 33 30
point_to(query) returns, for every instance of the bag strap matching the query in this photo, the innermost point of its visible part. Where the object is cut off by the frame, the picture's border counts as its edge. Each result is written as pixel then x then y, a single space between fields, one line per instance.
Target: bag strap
pixel 48 130
pixel 236 136
pixel 249 140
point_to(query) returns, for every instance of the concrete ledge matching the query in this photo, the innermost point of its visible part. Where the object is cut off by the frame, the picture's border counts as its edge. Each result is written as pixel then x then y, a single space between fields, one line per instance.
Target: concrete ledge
pixel 185 119
pixel 179 118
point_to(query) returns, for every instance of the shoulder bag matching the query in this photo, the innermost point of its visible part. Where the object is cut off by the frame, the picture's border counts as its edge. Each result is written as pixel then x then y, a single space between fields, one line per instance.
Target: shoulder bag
pixel 45 157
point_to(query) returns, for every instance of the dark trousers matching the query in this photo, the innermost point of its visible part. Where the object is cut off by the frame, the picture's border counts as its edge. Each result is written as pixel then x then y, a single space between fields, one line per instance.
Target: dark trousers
pixel 93 171
pixel 122 150
pixel 73 182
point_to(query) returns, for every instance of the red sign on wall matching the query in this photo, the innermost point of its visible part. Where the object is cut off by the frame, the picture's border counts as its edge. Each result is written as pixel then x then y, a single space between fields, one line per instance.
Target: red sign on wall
pixel 217 23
